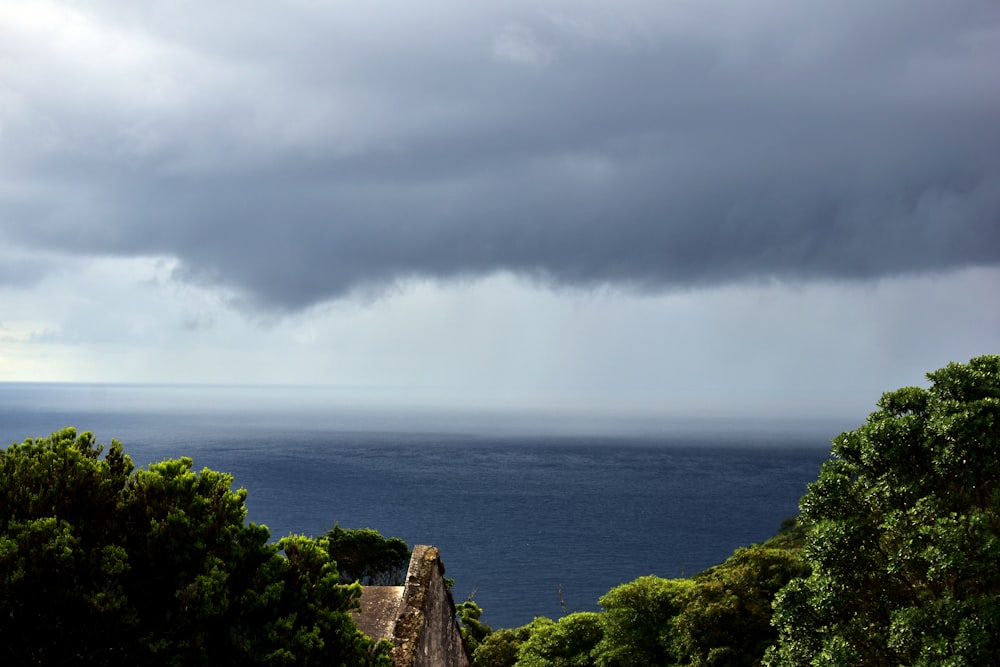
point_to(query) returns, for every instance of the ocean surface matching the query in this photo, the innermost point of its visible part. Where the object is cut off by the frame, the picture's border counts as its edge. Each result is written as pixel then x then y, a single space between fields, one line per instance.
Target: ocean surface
pixel 533 514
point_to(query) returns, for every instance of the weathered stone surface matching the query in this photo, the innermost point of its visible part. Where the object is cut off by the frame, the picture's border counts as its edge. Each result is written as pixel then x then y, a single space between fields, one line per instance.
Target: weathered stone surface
pixel 379 610
pixel 418 618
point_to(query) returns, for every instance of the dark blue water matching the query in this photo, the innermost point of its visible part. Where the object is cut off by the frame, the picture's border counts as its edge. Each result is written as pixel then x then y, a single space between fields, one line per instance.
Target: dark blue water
pixel 526 520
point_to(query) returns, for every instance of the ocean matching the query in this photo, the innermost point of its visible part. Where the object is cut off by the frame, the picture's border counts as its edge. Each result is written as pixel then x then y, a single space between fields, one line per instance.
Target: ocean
pixel 534 515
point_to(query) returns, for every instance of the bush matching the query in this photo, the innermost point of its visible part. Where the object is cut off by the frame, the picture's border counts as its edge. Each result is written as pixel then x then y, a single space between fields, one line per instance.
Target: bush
pixel 101 563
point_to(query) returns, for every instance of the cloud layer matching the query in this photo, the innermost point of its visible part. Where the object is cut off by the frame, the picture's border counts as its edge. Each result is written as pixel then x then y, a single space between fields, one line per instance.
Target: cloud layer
pixel 302 151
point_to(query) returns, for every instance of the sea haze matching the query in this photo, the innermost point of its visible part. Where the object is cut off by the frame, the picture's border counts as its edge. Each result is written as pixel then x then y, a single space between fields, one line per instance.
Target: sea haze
pixel 534 513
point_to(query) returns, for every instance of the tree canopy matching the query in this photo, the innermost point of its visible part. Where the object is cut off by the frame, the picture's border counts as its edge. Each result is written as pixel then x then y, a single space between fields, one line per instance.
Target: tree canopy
pixel 892 561
pixel 903 534
pixel 364 556
pixel 720 617
pixel 101 563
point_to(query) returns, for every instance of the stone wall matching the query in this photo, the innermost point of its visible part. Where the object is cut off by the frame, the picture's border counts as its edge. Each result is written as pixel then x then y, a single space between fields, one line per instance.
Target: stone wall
pixel 421 616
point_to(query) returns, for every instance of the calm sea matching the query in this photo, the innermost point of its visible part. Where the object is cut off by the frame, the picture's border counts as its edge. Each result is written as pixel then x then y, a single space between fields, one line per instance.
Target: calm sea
pixel 530 514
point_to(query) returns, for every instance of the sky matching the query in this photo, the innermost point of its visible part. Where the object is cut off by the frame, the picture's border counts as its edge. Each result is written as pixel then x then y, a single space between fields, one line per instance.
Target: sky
pixel 671 208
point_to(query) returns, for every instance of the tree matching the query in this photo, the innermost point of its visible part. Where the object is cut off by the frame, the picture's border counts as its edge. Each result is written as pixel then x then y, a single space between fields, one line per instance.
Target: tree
pixel 61 580
pixel 363 555
pixel 473 630
pixel 726 620
pixel 104 564
pixel 500 647
pixel 568 642
pixel 637 621
pixel 903 534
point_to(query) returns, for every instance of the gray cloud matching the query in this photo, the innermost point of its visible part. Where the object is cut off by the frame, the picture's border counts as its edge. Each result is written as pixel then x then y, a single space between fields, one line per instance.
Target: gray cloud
pixel 296 154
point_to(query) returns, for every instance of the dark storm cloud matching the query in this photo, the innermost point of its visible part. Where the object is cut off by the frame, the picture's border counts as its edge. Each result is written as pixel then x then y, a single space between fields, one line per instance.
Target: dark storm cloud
pixel 305 152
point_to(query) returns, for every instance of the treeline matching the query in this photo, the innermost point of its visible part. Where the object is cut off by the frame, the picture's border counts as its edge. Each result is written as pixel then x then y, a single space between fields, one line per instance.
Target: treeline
pixel 103 564
pixel 893 560
pixel 721 616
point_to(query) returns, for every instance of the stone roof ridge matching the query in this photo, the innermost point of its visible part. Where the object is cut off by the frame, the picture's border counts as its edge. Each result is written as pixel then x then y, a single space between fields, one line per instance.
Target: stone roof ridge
pixel 418 618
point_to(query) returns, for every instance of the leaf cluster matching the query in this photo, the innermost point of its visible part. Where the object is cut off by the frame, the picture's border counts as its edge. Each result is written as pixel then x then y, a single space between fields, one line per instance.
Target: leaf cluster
pixel 903 534
pixel 104 564
pixel 721 616
pixel 364 556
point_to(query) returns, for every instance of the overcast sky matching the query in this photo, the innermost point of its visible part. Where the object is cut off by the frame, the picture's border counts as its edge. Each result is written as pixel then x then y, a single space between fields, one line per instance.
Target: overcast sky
pixel 707 207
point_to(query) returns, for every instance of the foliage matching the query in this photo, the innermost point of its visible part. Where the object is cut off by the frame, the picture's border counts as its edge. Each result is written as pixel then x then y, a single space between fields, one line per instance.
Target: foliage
pixel 904 534
pixel 473 630
pixel 726 620
pixel 363 555
pixel 500 647
pixel 104 564
pixel 791 536
pixel 719 617
pixel 637 621
pixel 570 642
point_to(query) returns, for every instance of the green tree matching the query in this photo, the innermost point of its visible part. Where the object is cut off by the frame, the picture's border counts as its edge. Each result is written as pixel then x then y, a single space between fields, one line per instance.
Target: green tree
pixel 500 647
pixel 637 621
pixel 903 534
pixel 726 620
pixel 104 564
pixel 61 579
pixel 473 629
pixel 363 555
pixel 721 616
pixel 302 607
pixel 568 642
